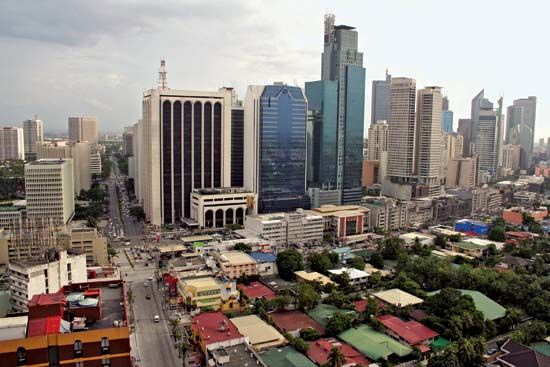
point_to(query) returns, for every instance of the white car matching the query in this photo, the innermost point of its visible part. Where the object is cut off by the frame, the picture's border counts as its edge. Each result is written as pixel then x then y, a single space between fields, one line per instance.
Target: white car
pixel 150 278
pixel 145 284
pixel 157 318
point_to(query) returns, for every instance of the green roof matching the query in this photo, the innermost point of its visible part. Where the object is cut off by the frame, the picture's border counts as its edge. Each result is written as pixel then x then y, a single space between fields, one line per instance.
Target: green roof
pixel 439 343
pixel 469 245
pixel 198 244
pixel 284 357
pixel 490 309
pixel 541 347
pixel 373 343
pixel 323 312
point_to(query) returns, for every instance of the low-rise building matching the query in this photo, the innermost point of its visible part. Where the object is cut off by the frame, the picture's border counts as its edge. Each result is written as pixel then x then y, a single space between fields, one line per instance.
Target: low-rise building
pixel 410 332
pixel 45 275
pixel 411 237
pixel 515 215
pixel 293 322
pixel 386 213
pixel 266 262
pixel 213 330
pixel 82 324
pixel 260 334
pixel 356 277
pixel 342 221
pixel 319 351
pixel 398 298
pixel 236 263
pixel 285 228
pixel 256 290
pixel 468 248
pixel 88 241
pixel 209 293
pixel 11 216
pixel 312 276
pixel 221 207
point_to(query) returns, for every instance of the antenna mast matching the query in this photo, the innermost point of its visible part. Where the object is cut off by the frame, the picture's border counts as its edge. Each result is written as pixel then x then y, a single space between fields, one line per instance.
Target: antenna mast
pixel 163 84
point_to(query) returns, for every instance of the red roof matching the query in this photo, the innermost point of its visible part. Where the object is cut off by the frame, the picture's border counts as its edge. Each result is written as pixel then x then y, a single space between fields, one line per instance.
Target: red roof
pixel 256 290
pixel 423 348
pixel 47 299
pixel 319 350
pixel 361 304
pixel 412 331
pixel 214 327
pixel 295 320
pixel 43 326
pixel 526 235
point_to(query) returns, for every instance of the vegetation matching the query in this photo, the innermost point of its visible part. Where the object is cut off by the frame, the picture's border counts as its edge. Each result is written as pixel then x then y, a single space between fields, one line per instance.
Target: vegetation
pixel 357 263
pixel 391 247
pixel 321 262
pixel 288 262
pixel 308 297
pixel 339 322
pixel 123 164
pixel 336 358
pixel 242 247
pixel 310 334
pixel 298 343
pixel 377 260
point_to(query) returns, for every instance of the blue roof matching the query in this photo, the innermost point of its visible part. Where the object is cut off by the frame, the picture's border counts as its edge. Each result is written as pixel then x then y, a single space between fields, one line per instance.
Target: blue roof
pixel 263 257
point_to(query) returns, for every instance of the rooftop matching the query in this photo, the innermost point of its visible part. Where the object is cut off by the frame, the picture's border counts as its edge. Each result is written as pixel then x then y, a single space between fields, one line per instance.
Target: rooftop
pixel 490 309
pixel 47 162
pixel 294 320
pixel 398 298
pixel 263 257
pixel 256 290
pixel 319 351
pixel 13 327
pixel 221 190
pixel 352 272
pixel 285 357
pixel 236 258
pixel 373 344
pixel 260 333
pixel 518 355
pixel 239 355
pixel 313 276
pixel 214 327
pixel 323 312
pixel 411 331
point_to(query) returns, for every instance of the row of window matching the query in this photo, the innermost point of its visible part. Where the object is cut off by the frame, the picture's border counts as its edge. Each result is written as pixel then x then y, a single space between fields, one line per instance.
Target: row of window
pixel 53 356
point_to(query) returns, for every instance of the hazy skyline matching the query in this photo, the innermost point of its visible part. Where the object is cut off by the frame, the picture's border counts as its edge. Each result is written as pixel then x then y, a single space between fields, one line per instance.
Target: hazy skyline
pixel 66 58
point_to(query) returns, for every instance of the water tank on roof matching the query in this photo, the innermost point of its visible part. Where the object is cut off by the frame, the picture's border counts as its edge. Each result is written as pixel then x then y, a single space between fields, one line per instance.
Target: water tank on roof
pixel 88 302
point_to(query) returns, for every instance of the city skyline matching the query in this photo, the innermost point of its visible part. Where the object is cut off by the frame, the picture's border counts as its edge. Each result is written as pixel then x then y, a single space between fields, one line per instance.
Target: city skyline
pixel 100 67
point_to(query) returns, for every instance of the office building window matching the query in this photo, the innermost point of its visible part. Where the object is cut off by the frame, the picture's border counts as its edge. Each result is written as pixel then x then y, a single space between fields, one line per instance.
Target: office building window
pixel 78 352
pixel 21 356
pixel 104 346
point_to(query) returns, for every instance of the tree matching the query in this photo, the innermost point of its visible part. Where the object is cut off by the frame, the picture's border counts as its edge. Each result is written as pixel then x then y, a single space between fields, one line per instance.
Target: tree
pixel 288 262
pixel 307 296
pixel 320 262
pixel 357 263
pixel 440 241
pixel 92 222
pixel 391 247
pixel 470 351
pixel 242 247
pixel 339 323
pixel 375 279
pixel 497 233
pixel 336 357
pixel 377 260
pixel 446 359
pixel 511 319
pixel 371 309
pixel 310 334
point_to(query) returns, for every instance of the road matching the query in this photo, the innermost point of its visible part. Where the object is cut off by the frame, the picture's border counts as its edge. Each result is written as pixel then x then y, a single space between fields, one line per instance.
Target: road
pixel 151 341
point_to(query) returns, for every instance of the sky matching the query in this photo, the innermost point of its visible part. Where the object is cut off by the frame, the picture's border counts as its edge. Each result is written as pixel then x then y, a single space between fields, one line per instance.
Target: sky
pixel 61 58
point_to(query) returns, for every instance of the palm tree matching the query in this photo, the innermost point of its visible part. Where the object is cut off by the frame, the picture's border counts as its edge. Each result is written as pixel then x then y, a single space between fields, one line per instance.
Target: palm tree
pixel 513 317
pixel 336 357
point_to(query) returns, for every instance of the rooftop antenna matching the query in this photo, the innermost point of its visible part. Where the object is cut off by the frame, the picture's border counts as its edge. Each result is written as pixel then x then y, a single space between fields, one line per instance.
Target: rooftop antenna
pixel 162 75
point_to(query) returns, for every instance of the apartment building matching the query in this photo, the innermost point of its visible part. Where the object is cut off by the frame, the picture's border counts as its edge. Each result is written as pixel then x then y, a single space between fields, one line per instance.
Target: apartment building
pixel 11 143
pixel 236 263
pixel 209 293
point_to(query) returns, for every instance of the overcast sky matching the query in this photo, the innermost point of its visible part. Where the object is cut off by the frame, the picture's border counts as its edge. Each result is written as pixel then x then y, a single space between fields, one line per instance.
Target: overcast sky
pixel 63 58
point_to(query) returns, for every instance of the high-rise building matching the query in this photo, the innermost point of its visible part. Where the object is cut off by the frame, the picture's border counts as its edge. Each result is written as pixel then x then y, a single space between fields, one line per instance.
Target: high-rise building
pixel 454 144
pixel 49 188
pixel 342 62
pixel 322 134
pixel 428 138
pixel 95 162
pixel 83 129
pixel 237 142
pixel 378 140
pixel 78 151
pixel 128 142
pixel 447 121
pixel 486 133
pixel 401 129
pixel 33 132
pixel 11 143
pixel 185 144
pixel 275 147
pixel 520 127
pixel 511 155
pixel 462 173
pixel 380 103
pixel 465 129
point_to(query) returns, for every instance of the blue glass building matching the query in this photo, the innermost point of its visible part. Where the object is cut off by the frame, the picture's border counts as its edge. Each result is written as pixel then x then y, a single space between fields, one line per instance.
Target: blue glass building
pixel 277 133
pixel 447 121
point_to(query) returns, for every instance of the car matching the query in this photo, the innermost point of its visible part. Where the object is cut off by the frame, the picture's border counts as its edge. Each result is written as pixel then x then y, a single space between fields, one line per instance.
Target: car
pixel 157 318
pixel 151 278
pixel 145 284
pixel 148 297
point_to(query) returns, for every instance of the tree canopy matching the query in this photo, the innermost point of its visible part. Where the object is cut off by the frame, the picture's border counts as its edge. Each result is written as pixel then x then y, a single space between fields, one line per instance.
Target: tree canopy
pixel 288 262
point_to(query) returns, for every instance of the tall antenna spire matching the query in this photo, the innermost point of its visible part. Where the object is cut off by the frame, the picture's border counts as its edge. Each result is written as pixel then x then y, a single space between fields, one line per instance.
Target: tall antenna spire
pixel 163 84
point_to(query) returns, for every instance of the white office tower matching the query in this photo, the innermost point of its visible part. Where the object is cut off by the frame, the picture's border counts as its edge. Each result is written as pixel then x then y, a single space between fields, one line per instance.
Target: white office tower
pixel 11 143
pixel 186 144
pixel 83 129
pixel 49 189
pixel 33 131
pixel 487 134
pixel 428 138
pixel 78 151
pixel 377 140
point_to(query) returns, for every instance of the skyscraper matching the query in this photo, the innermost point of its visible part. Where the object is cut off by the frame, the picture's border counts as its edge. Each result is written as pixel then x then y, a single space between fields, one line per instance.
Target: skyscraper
pixel 11 143
pixel 378 140
pixel 428 138
pixel 465 129
pixel 83 129
pixel 33 132
pixel 237 143
pixel 485 135
pixel 520 127
pixel 380 103
pixel 322 147
pixel 401 129
pixel 342 62
pixel 184 144
pixel 446 117
pixel 275 147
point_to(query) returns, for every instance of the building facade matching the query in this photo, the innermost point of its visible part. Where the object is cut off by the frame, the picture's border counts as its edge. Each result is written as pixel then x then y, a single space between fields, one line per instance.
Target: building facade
pixel 380 102
pixel 79 152
pixel 446 117
pixel 11 143
pixel 377 140
pixel 465 129
pixel 83 129
pixel 217 208
pixel 284 228
pixel 87 241
pixel 520 127
pixel 49 189
pixel 275 147
pixel 33 132
pixel 237 144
